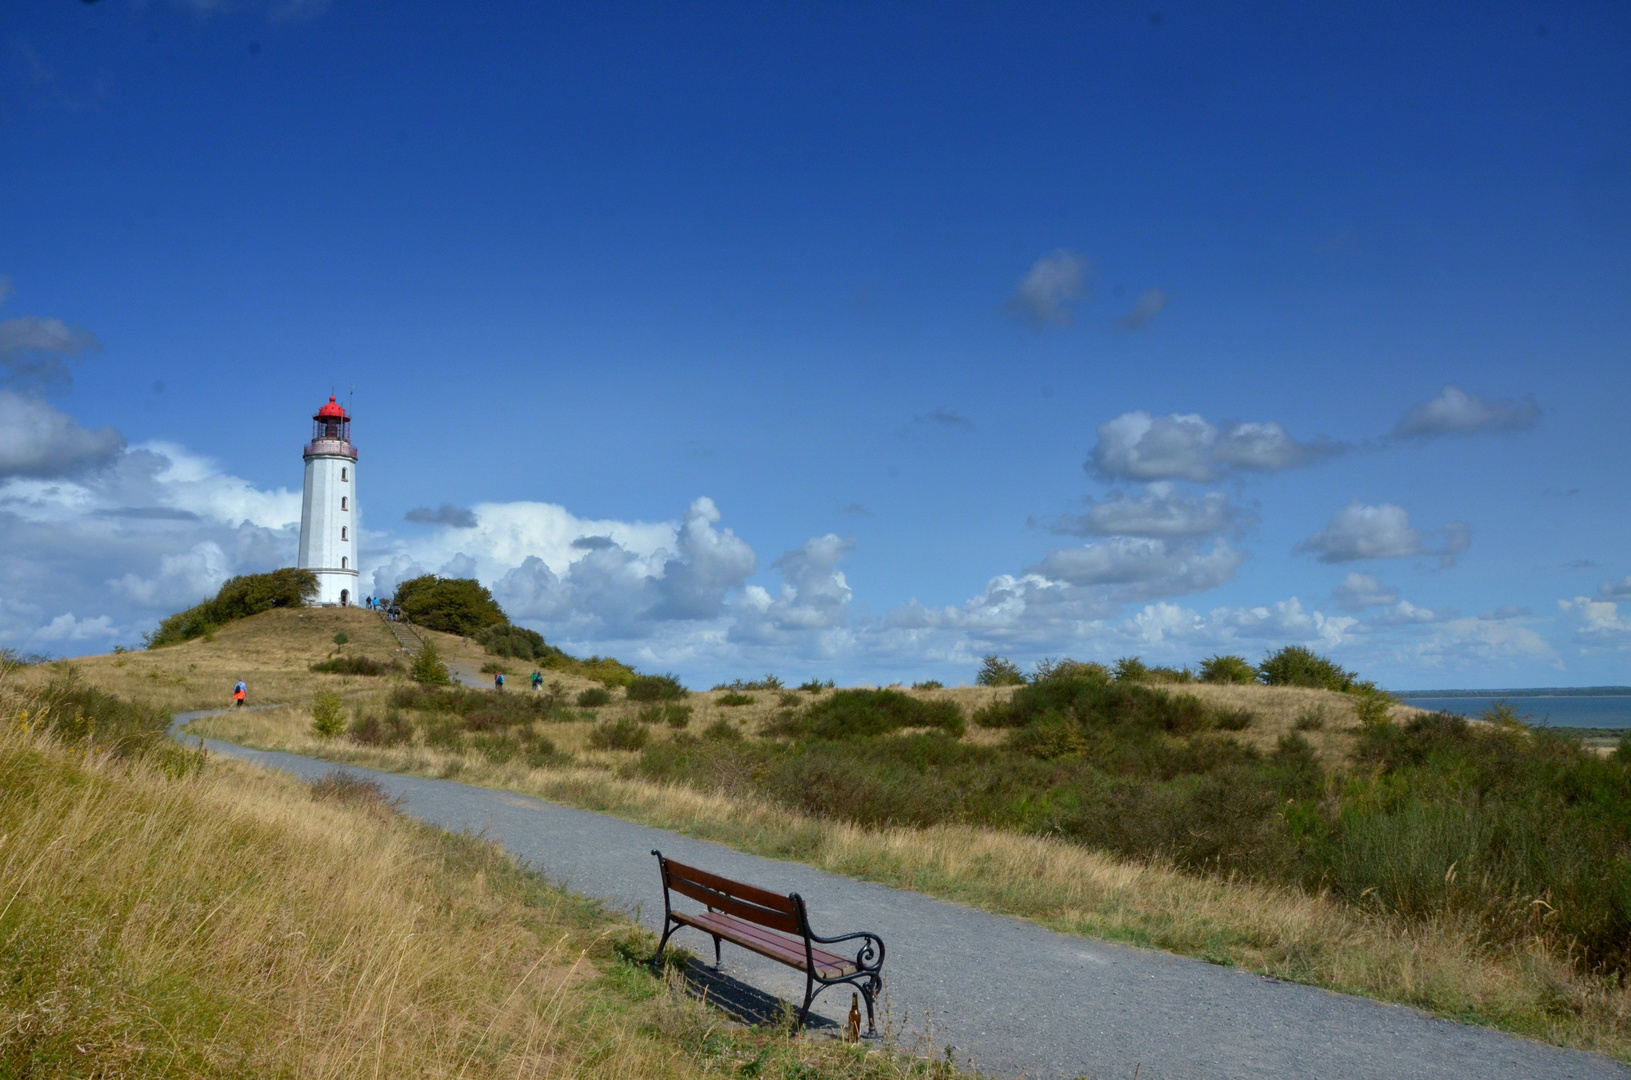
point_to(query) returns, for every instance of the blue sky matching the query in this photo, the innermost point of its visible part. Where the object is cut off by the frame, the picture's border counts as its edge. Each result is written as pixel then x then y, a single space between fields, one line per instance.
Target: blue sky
pixel 838 340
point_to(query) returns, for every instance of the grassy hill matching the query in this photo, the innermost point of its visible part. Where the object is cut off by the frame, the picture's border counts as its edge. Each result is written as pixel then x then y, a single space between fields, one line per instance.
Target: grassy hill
pixel 1470 870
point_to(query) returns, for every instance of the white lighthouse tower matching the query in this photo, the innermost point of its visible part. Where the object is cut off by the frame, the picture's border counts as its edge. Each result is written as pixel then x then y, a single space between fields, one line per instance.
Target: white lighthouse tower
pixel 328 512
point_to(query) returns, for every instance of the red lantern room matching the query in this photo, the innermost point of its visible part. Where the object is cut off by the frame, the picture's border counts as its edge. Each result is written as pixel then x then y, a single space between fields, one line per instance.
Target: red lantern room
pixel 331 422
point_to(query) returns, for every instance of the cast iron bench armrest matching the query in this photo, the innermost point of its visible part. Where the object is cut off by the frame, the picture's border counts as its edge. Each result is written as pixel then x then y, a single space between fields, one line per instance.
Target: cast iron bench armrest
pixel 863 959
pixel 735 902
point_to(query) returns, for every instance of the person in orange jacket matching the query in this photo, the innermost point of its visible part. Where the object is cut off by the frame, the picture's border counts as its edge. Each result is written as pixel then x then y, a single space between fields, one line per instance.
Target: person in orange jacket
pixel 239 693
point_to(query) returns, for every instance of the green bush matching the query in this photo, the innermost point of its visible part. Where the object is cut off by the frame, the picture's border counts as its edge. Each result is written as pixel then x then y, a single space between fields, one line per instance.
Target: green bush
pixel 238 598
pixel 623 734
pixel 454 605
pixel 1131 669
pixel 655 688
pixel 1234 719
pixel 722 730
pixel 341 637
pixel 327 715
pixel 428 667
pixel 769 682
pixel 998 671
pixel 815 686
pixel 372 729
pixel 675 716
pixel 733 699
pixel 357 665
pixel 929 684
pixel 593 697
pixel 516 642
pixel 1295 665
pixel 848 714
pixel 1228 670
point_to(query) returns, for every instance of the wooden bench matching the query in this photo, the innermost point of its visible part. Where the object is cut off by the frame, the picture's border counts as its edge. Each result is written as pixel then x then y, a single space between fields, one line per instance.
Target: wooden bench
pixel 772 925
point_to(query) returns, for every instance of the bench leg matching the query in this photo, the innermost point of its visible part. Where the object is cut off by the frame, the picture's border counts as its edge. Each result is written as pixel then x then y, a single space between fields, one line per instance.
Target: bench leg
pixel 657 959
pixel 866 992
pixel 716 953
pixel 809 996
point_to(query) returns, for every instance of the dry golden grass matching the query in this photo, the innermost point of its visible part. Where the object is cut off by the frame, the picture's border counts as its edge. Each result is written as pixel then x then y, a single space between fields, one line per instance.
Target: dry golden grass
pixel 229 925
pixel 1329 721
pixel 1281 932
pixel 1276 931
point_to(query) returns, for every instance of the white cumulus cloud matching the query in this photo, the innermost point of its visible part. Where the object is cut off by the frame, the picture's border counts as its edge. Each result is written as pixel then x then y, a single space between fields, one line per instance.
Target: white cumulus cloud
pixel 1163 510
pixel 1359 531
pixel 1186 446
pixel 1044 295
pixel 1453 411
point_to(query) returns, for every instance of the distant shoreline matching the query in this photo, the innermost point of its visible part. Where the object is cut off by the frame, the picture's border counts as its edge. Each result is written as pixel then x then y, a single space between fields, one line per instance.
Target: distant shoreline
pixel 1540 691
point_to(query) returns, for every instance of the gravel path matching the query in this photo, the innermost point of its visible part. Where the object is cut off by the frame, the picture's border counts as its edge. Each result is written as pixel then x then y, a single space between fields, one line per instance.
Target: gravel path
pixel 1015 999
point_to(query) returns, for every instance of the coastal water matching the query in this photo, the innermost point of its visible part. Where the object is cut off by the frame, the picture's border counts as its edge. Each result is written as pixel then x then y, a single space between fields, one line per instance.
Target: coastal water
pixel 1555 710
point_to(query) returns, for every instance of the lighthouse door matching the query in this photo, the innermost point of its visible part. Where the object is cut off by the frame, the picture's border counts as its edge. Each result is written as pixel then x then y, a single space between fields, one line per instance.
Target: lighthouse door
pixel 345 597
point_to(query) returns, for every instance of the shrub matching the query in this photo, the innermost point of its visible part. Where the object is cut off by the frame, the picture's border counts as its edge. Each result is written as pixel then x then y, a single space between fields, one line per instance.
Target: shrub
pixel 998 671
pixel 1131 669
pixel 593 697
pixel 1371 705
pixel 929 684
pixel 357 665
pixel 343 786
pixel 492 667
pixel 1169 675
pixel 455 605
pixel 605 670
pixel 769 682
pixel 624 734
pixel 238 598
pixel 1227 670
pixel 1070 669
pixel 733 699
pixel 849 714
pixel 516 642
pixel 1234 719
pixel 815 686
pixel 392 729
pixel 327 715
pixel 1295 665
pixel 722 730
pixel 655 688
pixel 675 716
pixel 341 637
pixel 1309 720
pixel 428 667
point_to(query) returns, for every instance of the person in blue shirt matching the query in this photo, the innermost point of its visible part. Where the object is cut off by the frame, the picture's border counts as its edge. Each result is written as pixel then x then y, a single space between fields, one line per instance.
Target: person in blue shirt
pixel 498 680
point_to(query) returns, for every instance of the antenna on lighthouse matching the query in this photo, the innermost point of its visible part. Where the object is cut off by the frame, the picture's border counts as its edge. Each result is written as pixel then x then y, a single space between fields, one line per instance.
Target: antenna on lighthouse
pixel 349 395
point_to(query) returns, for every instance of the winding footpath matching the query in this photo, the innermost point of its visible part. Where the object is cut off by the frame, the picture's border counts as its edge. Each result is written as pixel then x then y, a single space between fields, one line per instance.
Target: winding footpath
pixel 1013 998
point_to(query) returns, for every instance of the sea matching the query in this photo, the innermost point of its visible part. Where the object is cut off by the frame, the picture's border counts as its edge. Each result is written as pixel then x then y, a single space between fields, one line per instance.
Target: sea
pixel 1573 707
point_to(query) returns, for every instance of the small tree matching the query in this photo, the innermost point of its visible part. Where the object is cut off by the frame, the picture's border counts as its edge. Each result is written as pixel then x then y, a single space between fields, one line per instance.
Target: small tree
pixel 327 715
pixel 1295 665
pixel 1228 669
pixel 460 606
pixel 1131 669
pixel 341 638
pixel 428 667
pixel 998 671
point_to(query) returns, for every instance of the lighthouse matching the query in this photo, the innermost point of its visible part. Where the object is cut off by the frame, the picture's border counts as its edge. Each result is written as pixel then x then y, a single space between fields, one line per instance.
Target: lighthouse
pixel 328 510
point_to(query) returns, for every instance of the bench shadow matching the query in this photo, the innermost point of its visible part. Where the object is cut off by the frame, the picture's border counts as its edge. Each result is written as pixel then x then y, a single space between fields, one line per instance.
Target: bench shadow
pixel 743 1003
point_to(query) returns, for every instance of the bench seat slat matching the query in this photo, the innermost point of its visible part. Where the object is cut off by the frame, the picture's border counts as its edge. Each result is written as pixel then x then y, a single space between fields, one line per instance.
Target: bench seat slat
pixel 785 950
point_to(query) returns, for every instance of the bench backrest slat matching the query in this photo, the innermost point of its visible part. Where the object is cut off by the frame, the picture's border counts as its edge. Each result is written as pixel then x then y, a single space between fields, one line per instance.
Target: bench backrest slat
pixel 734 898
